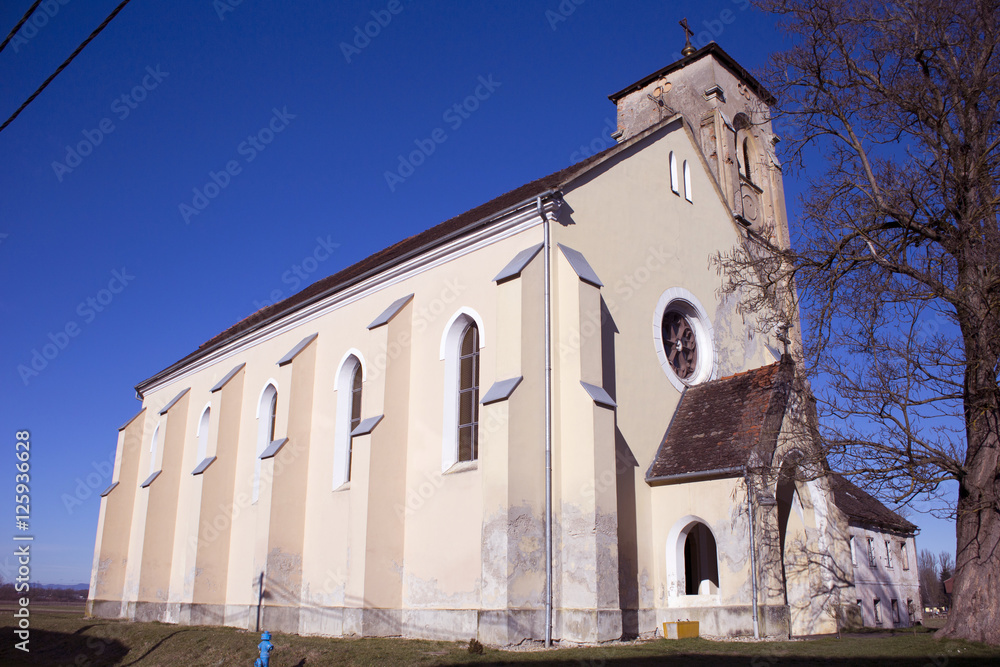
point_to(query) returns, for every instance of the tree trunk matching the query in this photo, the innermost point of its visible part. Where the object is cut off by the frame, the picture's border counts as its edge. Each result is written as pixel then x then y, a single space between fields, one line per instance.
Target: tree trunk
pixel 975 608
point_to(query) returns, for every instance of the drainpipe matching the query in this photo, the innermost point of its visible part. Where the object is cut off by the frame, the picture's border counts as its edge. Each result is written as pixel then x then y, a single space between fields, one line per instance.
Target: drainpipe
pixel 548 424
pixel 753 556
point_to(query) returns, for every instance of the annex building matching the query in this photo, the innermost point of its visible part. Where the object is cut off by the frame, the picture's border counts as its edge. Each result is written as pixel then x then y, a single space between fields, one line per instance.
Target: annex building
pixel 537 417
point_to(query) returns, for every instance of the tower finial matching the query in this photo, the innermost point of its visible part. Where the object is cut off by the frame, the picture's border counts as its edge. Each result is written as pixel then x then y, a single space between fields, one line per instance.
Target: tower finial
pixel 688 34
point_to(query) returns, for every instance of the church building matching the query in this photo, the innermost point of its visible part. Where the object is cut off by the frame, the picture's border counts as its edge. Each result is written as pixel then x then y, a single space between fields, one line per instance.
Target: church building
pixel 537 419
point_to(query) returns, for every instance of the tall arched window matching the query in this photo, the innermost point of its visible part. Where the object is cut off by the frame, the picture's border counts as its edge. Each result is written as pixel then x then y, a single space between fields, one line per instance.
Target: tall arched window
pixel 203 425
pixel 348 384
pixel 460 345
pixel 154 447
pixel 355 413
pixel 687 182
pixel 267 415
pixel 674 178
pixel 468 395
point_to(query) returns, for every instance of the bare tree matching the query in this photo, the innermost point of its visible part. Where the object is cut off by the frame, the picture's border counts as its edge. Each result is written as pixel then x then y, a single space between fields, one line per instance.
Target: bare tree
pixel 894 263
pixel 931 593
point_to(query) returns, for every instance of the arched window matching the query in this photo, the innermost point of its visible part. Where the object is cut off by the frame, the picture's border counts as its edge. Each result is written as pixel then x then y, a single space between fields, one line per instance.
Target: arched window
pixel 468 395
pixel 463 339
pixel 267 415
pixel 348 385
pixel 687 182
pixel 203 425
pixel 154 447
pixel 674 178
pixel 701 563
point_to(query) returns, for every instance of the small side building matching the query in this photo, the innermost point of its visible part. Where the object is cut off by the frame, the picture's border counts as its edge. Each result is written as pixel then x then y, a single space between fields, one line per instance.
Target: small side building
pixel 884 558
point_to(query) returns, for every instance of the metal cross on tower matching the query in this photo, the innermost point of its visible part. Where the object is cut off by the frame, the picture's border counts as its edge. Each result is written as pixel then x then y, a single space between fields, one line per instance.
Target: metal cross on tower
pixel 688 34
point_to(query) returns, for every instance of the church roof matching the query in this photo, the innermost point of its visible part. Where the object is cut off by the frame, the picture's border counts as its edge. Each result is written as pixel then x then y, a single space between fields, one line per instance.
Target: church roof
pixel 719 424
pixel 473 219
pixel 862 507
pixel 720 55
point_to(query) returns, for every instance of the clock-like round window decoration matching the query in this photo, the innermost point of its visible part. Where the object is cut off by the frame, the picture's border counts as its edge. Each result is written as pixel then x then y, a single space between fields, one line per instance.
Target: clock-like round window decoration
pixel 682 334
pixel 680 343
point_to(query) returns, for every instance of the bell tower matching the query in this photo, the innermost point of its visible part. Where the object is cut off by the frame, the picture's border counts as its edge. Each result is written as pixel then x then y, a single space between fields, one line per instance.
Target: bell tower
pixel 729 113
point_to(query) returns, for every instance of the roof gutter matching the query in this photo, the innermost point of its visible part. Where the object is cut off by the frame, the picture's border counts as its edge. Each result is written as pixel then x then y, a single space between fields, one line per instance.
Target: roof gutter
pixel 139 388
pixel 662 480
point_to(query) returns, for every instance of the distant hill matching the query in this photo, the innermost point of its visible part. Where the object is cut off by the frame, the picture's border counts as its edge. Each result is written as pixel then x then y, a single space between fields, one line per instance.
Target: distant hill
pixel 73 587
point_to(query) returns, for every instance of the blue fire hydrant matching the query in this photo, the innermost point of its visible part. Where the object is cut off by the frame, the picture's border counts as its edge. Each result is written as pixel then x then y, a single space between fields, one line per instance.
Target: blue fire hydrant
pixel 265 647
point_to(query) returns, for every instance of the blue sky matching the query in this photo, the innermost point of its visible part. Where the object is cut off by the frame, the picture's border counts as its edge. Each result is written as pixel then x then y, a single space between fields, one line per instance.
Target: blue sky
pixel 101 260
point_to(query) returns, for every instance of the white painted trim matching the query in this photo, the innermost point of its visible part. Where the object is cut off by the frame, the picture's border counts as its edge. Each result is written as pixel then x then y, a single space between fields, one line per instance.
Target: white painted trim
pixel 687 182
pixel 495 232
pixel 342 423
pixel 675 557
pixel 263 439
pixel 451 341
pixel 448 329
pixel 154 447
pixel 202 414
pixel 204 423
pixel 704 332
pixel 270 381
pixel 673 174
pixel 352 352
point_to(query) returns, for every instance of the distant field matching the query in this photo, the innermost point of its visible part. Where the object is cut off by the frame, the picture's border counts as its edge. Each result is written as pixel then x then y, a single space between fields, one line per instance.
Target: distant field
pixel 63 637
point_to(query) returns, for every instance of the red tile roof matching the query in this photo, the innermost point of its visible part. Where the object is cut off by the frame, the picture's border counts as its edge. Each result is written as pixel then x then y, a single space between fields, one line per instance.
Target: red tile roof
pixel 862 507
pixel 718 424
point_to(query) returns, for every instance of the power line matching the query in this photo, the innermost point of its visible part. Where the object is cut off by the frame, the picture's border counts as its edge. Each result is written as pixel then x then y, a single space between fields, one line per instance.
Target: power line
pixel 20 23
pixel 73 55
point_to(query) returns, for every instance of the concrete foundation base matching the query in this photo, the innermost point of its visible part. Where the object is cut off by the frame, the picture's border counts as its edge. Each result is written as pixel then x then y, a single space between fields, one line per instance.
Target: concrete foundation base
pixel 731 621
pixel 499 627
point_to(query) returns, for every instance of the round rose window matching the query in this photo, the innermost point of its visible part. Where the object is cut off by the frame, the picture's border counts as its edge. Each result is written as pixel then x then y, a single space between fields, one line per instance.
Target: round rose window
pixel 680 344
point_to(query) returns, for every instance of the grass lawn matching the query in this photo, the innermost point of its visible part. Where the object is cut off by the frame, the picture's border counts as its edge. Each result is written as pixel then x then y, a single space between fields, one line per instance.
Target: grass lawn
pixel 62 638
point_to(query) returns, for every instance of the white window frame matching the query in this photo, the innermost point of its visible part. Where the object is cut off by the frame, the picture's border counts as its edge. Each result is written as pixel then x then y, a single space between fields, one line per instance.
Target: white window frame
pixel 204 423
pixel 687 303
pixel 351 360
pixel 687 182
pixel 263 436
pixel 854 554
pixel 674 181
pixel 154 449
pixel 451 344
pixel 888 554
pixel 903 555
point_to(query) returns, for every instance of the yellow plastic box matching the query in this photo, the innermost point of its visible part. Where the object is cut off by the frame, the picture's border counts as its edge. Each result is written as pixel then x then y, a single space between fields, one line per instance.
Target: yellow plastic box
pixel 680 629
